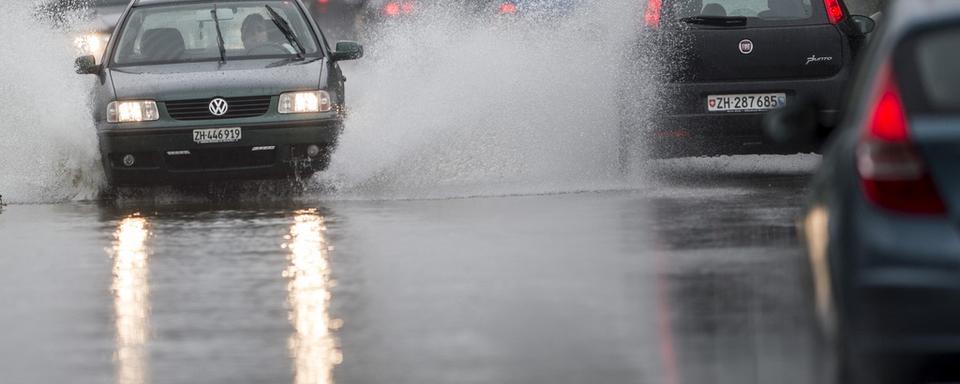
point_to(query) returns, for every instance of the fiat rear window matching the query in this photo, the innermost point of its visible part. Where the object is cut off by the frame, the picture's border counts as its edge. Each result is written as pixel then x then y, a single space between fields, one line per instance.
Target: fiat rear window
pixel 760 9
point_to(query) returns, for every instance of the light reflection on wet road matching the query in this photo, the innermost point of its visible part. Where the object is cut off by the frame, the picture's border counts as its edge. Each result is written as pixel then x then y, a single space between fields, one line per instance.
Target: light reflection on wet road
pixel 687 283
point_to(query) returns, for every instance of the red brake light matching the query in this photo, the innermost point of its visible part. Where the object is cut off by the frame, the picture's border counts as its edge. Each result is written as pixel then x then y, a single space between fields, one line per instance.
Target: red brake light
pixel 889 120
pixel 651 15
pixel 892 172
pixel 508 8
pixel 834 11
pixel 391 9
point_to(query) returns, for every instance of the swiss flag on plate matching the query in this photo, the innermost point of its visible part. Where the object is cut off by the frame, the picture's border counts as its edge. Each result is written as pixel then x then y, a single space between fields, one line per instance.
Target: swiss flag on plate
pixel 713 103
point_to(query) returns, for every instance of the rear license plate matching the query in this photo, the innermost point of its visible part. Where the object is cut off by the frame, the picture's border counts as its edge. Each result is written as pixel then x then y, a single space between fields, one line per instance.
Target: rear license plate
pixel 216 135
pixel 754 102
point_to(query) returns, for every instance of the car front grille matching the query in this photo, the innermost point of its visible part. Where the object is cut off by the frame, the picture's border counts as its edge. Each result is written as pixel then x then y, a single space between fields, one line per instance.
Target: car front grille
pixel 199 109
pixel 220 158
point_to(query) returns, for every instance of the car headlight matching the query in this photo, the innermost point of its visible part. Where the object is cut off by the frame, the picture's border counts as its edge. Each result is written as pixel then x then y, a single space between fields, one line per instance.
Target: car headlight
pixel 92 44
pixel 129 111
pixel 304 102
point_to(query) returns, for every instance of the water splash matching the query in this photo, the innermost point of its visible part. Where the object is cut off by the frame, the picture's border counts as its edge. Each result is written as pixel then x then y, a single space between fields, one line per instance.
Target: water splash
pixel 447 106
pixel 48 150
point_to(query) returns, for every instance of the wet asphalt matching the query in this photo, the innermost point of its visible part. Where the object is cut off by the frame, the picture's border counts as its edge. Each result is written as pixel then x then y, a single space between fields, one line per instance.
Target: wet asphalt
pixel 693 280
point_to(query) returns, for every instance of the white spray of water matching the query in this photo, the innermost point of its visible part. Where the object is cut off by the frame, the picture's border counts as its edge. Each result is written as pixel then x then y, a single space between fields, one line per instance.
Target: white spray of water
pixel 48 148
pixel 450 107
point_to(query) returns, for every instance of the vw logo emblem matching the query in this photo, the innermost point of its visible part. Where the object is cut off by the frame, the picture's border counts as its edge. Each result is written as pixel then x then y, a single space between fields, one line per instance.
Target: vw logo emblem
pixel 746 46
pixel 218 107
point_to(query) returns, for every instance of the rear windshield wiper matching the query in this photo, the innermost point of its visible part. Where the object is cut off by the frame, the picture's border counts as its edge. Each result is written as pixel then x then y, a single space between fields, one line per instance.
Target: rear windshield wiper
pixel 716 21
pixel 216 21
pixel 284 28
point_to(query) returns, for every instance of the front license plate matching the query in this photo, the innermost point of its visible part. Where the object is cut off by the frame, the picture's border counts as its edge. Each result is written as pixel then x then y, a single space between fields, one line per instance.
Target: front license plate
pixel 216 135
pixel 754 102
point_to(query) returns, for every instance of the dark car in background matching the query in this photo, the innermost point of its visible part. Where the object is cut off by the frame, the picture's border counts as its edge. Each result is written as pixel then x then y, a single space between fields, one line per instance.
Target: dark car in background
pixel 387 11
pixel 721 64
pixel 532 9
pixel 92 21
pixel 881 223
pixel 192 91
pixel 339 19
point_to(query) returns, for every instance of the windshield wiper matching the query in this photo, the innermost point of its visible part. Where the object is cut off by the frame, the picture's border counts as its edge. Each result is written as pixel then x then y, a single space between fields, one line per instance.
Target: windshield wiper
pixel 216 21
pixel 284 28
pixel 716 21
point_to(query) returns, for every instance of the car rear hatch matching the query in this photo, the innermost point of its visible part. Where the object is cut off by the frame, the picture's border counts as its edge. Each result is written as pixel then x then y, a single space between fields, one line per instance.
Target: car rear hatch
pixel 736 40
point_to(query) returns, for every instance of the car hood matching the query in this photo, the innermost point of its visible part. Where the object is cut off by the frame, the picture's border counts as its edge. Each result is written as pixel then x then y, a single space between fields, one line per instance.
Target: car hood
pixel 211 79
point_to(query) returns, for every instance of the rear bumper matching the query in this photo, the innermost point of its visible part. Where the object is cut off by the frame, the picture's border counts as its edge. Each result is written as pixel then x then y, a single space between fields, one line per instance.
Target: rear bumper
pixel 908 311
pixel 715 134
pixel 170 156
pixel 679 120
pixel 899 282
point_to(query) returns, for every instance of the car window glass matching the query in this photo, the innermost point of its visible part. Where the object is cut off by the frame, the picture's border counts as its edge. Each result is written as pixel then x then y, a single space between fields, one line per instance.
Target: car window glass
pixel 937 63
pixel 187 33
pixel 762 9
pixel 103 3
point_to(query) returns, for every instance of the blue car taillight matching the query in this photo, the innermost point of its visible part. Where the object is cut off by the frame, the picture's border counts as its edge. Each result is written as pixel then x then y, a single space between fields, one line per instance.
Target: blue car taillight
pixel 893 174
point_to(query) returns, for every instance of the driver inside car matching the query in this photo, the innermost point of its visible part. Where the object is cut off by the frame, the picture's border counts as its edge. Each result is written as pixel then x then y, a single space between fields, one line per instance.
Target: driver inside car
pixel 254 32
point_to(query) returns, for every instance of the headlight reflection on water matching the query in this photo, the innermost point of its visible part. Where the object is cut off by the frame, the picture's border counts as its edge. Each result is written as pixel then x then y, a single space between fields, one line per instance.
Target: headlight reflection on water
pixel 313 346
pixel 131 300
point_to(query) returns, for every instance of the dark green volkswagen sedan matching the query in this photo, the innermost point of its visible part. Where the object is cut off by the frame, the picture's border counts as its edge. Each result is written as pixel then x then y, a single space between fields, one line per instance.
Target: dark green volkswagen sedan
pixel 196 90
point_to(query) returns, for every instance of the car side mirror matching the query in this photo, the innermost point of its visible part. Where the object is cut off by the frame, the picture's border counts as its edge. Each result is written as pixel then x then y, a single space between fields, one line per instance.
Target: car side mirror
pixel 348 50
pixel 796 123
pixel 865 25
pixel 87 65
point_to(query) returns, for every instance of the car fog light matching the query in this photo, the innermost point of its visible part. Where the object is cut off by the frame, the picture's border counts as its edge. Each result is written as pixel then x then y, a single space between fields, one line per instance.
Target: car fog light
pixel 129 160
pixel 313 150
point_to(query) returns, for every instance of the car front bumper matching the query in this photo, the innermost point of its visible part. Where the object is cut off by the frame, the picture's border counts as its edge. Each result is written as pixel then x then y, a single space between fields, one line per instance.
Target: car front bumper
pixel 170 156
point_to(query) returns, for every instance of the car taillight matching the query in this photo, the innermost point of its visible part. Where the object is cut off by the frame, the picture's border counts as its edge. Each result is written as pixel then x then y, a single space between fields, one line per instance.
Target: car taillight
pixel 892 172
pixel 508 8
pixel 834 11
pixel 392 8
pixel 651 15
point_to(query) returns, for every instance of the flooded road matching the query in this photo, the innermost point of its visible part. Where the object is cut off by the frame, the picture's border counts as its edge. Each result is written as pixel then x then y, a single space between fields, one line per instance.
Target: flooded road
pixel 692 280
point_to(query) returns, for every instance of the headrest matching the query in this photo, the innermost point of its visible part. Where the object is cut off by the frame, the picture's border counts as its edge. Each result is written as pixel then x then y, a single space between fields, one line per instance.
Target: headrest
pixel 162 44
pixel 713 9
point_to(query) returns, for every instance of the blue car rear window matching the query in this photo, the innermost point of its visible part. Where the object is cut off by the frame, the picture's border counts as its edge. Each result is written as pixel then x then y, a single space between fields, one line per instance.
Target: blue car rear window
pixel 938 59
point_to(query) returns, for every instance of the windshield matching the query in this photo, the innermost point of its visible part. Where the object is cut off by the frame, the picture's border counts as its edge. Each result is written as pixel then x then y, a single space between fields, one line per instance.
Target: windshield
pixel 761 9
pixel 188 33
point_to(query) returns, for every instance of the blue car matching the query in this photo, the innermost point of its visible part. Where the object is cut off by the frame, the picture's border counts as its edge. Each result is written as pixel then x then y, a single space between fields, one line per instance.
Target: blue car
pixel 882 226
